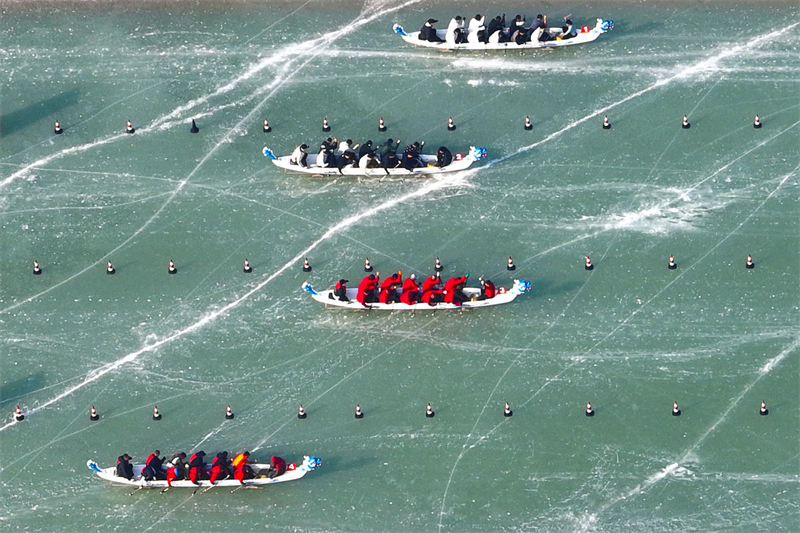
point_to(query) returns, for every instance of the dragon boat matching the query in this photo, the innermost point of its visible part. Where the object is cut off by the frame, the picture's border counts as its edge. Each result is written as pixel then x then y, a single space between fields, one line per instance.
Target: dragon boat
pixel 460 162
pixel 503 296
pixel 585 35
pixel 293 472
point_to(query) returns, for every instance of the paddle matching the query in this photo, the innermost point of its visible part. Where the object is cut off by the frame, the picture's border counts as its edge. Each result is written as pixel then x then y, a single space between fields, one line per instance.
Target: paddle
pixel 164 490
pixel 140 487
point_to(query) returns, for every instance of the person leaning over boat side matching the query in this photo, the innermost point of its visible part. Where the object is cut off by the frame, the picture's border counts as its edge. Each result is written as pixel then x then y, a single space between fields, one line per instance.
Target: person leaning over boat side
pixel 456 34
pixel 389 154
pixel 366 289
pixel 452 290
pixel 443 157
pixel 197 467
pixel 428 32
pixel 477 29
pixel 568 31
pixel 488 289
pixel 497 24
pixel 300 156
pixel 411 293
pixel 124 466
pixel 152 468
pixel 388 294
pixel 432 292
pixel 340 290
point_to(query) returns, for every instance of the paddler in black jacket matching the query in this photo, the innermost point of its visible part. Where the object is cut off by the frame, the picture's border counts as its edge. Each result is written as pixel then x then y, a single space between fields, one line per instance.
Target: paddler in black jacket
pixel 411 156
pixel 389 154
pixel 428 32
pixel 124 467
pixel 443 157
pixel 497 24
pixel 197 466
pixel 340 290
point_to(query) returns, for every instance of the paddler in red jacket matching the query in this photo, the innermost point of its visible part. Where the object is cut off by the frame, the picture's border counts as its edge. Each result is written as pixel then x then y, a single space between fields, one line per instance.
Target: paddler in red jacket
pixel 197 466
pixel 389 288
pixel 488 289
pixel 452 290
pixel 432 290
pixel 220 467
pixel 411 293
pixel 366 289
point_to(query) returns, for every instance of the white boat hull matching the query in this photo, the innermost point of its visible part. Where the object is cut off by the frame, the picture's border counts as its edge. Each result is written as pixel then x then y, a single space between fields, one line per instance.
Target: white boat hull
pixel 109 474
pixel 429 166
pixel 327 298
pixel 583 37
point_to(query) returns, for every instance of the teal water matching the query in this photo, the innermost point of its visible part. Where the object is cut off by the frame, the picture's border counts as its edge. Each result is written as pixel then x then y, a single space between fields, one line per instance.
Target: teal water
pixel 630 336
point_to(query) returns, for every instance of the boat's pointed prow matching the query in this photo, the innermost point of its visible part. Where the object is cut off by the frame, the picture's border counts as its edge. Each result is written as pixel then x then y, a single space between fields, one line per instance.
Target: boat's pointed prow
pixel 398 29
pixel 520 286
pixel 311 463
pixel 604 25
pixel 476 153
pixel 306 286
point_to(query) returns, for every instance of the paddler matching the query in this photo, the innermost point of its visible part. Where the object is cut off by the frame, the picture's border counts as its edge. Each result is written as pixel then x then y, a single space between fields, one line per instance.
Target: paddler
pixel 300 156
pixel 219 467
pixel 389 154
pixel 152 468
pixel 411 158
pixel 124 466
pixel 487 289
pixel 443 157
pixel 197 466
pixel 452 290
pixel 241 459
pixel 432 292
pixel 568 30
pixel 174 473
pixel 277 467
pixel 340 290
pixel 242 470
pixel 366 289
pixel 428 32
pixel 411 293
pixel 389 287
pixel 366 156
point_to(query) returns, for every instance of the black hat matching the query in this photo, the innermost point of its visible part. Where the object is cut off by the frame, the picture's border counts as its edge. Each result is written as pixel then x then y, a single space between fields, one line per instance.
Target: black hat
pixel 569 21
pixel 349 141
pixel 432 21
pixel 303 146
pixel 343 281
pixel 371 276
